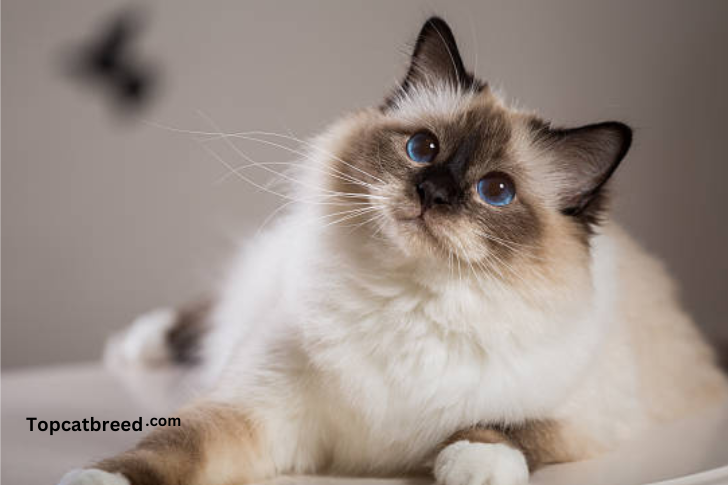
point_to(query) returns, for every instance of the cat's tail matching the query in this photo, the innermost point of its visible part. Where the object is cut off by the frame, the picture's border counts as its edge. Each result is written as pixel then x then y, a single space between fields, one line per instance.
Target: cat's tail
pixel 160 338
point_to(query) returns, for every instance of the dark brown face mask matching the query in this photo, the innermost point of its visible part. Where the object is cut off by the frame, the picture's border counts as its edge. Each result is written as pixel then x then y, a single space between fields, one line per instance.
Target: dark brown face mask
pixel 586 156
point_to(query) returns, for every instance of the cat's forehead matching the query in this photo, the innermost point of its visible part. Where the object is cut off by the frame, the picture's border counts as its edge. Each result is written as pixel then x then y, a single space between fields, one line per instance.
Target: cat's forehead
pixel 450 106
pixel 443 100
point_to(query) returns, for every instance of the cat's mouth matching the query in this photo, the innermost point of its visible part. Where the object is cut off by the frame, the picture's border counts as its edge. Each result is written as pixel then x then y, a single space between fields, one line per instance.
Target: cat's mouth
pixel 419 224
pixel 410 215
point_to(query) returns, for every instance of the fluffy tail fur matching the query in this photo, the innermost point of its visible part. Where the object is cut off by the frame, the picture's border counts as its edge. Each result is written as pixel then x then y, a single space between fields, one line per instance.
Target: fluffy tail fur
pixel 160 338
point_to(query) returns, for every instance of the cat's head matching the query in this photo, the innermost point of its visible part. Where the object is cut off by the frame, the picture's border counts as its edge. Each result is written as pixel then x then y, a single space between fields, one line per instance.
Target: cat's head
pixel 446 170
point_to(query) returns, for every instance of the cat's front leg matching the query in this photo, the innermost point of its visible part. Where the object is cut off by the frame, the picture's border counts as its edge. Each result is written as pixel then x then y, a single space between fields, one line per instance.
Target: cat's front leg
pixel 485 455
pixel 216 443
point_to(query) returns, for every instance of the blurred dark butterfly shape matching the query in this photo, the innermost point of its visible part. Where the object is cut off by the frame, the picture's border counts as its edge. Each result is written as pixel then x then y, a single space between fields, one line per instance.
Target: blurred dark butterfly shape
pixel 110 61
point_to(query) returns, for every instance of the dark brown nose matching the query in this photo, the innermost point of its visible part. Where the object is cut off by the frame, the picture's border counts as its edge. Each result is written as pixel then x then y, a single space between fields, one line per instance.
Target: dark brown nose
pixel 437 191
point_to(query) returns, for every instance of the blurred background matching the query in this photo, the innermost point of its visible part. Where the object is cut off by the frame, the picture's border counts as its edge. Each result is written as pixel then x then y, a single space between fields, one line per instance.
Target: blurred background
pixel 105 214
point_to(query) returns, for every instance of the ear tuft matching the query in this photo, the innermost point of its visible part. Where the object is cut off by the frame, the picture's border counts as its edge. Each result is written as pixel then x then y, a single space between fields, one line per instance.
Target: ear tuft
pixel 436 60
pixel 585 158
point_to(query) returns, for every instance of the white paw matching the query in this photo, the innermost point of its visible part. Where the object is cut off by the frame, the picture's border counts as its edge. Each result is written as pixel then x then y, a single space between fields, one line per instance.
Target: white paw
pixel 143 343
pixel 92 476
pixel 466 463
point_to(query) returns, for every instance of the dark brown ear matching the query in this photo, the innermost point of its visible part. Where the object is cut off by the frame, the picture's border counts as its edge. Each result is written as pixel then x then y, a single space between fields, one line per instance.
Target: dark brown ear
pixel 585 159
pixel 436 59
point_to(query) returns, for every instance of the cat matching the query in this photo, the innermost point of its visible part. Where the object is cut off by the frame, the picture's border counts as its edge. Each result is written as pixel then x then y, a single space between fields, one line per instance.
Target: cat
pixel 446 294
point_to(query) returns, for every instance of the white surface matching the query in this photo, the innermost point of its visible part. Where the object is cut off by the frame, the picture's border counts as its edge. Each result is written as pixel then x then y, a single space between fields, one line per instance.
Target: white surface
pixel 697 447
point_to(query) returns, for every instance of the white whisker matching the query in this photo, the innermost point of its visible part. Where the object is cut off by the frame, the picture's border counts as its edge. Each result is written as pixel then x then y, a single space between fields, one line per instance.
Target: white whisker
pixel 332 171
pixel 223 135
pixel 266 189
pixel 254 163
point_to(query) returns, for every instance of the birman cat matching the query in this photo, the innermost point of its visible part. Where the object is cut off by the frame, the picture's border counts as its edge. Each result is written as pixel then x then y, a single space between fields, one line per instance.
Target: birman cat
pixel 445 294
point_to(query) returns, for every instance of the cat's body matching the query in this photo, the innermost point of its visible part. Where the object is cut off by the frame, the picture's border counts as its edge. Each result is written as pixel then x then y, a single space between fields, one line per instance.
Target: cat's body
pixel 386 367
pixel 367 348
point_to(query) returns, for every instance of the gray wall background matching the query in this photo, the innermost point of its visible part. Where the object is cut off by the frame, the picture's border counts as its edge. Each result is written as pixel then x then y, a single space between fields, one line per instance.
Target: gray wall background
pixel 105 217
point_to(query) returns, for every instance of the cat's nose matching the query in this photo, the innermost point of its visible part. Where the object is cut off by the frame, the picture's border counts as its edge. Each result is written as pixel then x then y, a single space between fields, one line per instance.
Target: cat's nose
pixel 433 193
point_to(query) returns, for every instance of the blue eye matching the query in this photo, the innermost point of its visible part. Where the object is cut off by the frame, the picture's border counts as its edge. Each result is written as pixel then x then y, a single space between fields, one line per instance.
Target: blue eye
pixel 422 147
pixel 497 189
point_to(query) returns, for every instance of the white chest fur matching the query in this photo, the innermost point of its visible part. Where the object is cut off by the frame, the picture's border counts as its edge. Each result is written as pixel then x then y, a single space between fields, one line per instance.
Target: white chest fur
pixel 403 364
pixel 391 367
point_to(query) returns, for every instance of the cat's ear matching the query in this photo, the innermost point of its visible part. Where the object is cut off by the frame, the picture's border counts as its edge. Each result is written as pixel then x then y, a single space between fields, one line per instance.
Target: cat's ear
pixel 584 160
pixel 436 58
